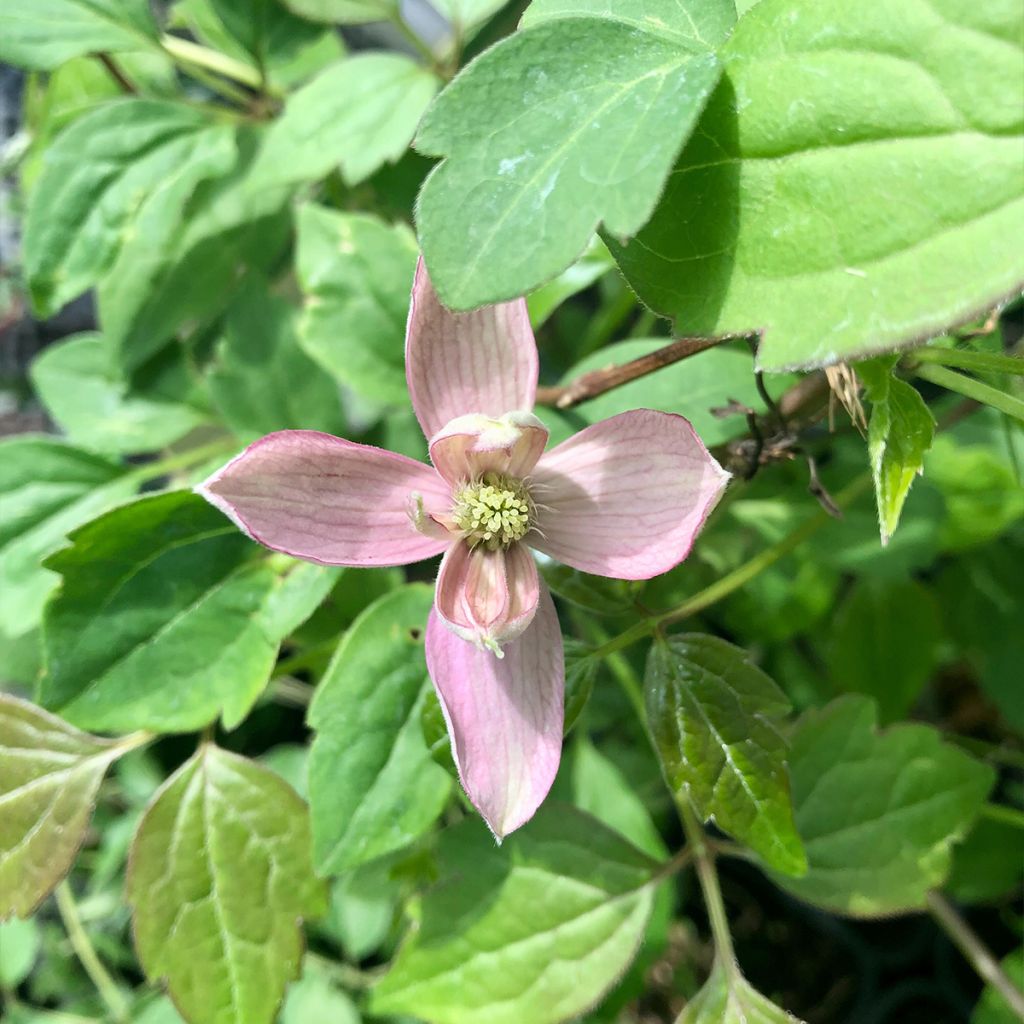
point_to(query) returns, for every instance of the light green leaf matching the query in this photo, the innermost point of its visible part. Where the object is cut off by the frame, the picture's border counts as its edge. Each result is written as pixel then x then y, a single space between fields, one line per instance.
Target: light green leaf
pixel 899 434
pixel 80 384
pixel 356 272
pixel 49 775
pixel 727 998
pixel 219 879
pixel 167 617
pixel 710 712
pixel 356 115
pixel 41 34
pixel 343 12
pixel 262 380
pixel 992 1008
pixel 840 172
pixel 468 14
pixel 568 124
pixel 48 489
pixel 315 999
pixel 373 787
pixel 19 947
pixel 884 642
pixel 476 955
pixel 878 812
pixel 590 267
pixel 689 24
pixel 123 170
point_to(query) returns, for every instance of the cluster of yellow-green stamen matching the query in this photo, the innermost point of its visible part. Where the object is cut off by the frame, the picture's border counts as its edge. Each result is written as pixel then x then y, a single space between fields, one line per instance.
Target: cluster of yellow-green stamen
pixel 495 511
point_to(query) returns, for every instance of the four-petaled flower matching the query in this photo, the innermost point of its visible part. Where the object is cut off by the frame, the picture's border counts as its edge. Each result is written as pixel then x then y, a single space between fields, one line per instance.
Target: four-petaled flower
pixel 622 498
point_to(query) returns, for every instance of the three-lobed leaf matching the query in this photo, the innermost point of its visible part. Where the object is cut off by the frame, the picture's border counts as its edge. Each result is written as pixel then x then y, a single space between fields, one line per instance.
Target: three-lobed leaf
pixel 49 776
pixel 537 930
pixel 710 711
pixel 878 812
pixel 167 617
pixel 373 787
pixel 219 879
pixel 572 122
pixel 790 211
pixel 899 433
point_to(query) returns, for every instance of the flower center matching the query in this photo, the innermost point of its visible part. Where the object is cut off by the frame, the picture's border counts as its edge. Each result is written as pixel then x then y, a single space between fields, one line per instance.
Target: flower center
pixel 495 511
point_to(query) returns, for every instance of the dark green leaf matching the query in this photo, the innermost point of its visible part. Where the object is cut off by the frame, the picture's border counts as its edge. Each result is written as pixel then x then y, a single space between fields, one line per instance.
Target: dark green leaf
pixel 710 711
pixel 219 879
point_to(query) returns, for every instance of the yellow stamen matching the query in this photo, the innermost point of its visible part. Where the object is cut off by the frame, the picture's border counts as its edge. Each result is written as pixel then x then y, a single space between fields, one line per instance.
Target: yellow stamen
pixel 495 511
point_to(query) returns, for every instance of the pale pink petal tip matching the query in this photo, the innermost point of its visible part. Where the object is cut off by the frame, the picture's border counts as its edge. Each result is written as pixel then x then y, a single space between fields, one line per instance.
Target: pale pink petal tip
pixel 469 446
pixel 504 715
pixel 484 361
pixel 626 497
pixel 328 500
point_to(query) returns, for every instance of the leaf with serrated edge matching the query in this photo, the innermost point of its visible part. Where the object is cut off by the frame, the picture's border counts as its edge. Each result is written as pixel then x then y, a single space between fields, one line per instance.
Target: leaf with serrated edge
pixel 536 930
pixel 878 812
pixel 710 713
pixel 846 163
pixel 219 878
pixel 727 998
pixel 372 784
pixel 49 775
pixel 565 125
pixel 899 433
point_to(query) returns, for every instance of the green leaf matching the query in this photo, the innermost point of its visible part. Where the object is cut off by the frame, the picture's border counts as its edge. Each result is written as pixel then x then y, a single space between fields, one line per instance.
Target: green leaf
pixel 595 262
pixel 692 388
pixel 987 864
pixel 900 432
pixel 315 998
pixel 727 998
pixel 262 380
pixel 992 1008
pixel 780 214
pixel 373 787
pixel 536 930
pixel 356 272
pixel 878 812
pixel 570 123
pixel 343 12
pixel 42 34
pixel 580 676
pixel 167 617
pixel 356 115
pixel 884 642
pixel 122 171
pixel 710 711
pixel 264 28
pixel 48 489
pixel 49 776
pixel 80 384
pixel 19 947
pixel 467 15
pixel 219 880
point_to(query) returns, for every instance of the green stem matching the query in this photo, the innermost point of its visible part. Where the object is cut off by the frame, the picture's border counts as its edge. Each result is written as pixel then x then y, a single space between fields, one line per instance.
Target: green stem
pixel 736 579
pixel 414 41
pixel 707 874
pixel 113 999
pixel 179 460
pixel 1003 814
pixel 617 664
pixel 975 952
pixel 187 52
pixel 967 359
pixel 306 658
pixel 969 387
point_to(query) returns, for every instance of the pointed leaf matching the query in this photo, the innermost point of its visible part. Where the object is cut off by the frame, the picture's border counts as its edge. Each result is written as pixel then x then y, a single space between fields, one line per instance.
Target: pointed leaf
pixel 372 784
pixel 710 711
pixel 569 123
pixel 878 812
pixel 219 879
pixel 727 998
pixel 536 930
pixel 49 775
pixel 839 174
pixel 165 619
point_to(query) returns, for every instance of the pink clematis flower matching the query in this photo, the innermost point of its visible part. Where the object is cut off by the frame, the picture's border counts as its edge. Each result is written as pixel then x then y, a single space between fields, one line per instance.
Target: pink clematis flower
pixel 622 498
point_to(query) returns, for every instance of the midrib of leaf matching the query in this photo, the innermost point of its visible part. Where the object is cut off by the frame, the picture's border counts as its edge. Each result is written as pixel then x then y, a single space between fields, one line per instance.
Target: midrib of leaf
pixel 557 153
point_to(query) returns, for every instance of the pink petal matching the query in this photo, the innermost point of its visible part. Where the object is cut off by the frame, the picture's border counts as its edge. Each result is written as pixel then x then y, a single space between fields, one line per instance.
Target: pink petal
pixel 470 446
pixel 625 497
pixel 484 361
pixel 487 597
pixel 504 715
pixel 328 500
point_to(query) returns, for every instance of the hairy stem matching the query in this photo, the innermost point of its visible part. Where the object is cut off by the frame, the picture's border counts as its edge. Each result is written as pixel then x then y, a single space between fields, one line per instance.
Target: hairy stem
pixel 969 387
pixel 966 359
pixel 974 950
pixel 113 999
